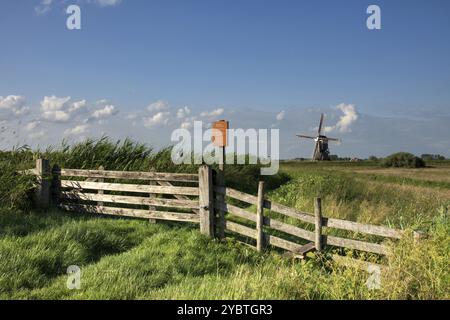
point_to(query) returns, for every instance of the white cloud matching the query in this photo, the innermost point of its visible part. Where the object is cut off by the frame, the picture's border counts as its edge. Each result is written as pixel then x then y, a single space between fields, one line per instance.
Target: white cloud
pixel 56 116
pixel 77 130
pixel 54 103
pixel 55 109
pixel 78 106
pixel 346 120
pixel 61 109
pixel 158 119
pixel 214 113
pixel 12 106
pixel 43 7
pixel 183 112
pixel 280 116
pixel 107 111
pixel 159 105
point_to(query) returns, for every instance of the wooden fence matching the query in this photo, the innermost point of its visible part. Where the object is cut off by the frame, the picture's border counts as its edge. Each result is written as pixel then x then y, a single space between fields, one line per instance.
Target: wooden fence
pixel 195 198
pixel 316 239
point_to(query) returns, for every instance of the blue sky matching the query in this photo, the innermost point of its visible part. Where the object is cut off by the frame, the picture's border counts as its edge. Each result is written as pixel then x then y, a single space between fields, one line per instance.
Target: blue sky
pixel 225 59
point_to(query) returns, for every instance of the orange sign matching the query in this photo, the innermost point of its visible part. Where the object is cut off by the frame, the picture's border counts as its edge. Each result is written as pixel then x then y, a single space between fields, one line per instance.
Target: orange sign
pixel 219 133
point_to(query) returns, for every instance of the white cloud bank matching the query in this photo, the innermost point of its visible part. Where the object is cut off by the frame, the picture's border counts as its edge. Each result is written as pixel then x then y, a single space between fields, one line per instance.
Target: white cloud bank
pixel 159 105
pixel 107 111
pixel 12 106
pixel 56 109
pixel 77 130
pixel 47 121
pixel 160 118
pixel 214 113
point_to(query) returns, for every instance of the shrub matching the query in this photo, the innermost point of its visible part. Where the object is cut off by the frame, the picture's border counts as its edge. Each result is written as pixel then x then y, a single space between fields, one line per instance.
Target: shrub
pixel 403 160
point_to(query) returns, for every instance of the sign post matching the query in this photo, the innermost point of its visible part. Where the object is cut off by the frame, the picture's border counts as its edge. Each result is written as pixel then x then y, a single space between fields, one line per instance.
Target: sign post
pixel 219 139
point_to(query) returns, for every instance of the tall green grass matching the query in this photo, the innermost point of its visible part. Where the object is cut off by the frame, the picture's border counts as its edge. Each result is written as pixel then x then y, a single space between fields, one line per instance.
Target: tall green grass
pixel 131 259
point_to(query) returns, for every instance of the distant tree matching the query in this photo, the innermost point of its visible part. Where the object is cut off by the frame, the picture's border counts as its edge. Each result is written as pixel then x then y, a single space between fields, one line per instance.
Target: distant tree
pixel 428 157
pixel 403 160
pixel 373 158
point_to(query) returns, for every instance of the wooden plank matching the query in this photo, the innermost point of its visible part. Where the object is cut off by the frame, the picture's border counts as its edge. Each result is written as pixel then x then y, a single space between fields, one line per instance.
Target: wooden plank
pixel 206 200
pixel 174 216
pixel 176 196
pixel 240 229
pixel 270 222
pixel 289 229
pixel 192 191
pixel 309 247
pixel 356 245
pixel 293 213
pixel 242 196
pixel 159 202
pixel 137 213
pixel 236 211
pixel 133 175
pixel 362 228
pixel 301 253
pixel 284 244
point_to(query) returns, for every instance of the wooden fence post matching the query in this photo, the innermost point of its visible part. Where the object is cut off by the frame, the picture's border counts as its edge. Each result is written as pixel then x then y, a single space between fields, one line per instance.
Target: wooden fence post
pixel 221 198
pixel 260 218
pixel 152 195
pixel 100 203
pixel 56 184
pixel 206 200
pixel 318 223
pixel 42 192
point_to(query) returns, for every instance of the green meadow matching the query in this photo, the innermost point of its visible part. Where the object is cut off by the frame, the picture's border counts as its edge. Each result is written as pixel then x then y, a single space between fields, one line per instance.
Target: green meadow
pixel 124 258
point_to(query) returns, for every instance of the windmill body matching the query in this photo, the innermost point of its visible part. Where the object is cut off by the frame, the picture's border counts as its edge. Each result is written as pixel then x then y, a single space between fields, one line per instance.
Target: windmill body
pixel 321 150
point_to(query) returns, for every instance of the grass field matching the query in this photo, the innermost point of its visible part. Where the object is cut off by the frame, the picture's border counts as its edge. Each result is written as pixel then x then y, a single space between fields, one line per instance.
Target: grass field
pixel 133 259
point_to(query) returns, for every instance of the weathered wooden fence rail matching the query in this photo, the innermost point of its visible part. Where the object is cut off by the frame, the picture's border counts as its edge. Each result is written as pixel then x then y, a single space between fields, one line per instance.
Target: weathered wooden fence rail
pixel 318 238
pixel 195 198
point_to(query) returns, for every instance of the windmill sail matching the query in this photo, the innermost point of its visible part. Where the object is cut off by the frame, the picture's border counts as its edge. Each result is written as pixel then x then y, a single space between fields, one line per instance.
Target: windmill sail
pixel 319 132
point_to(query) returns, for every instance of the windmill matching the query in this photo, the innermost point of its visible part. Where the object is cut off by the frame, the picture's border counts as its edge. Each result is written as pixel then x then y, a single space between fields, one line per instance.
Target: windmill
pixel 321 151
